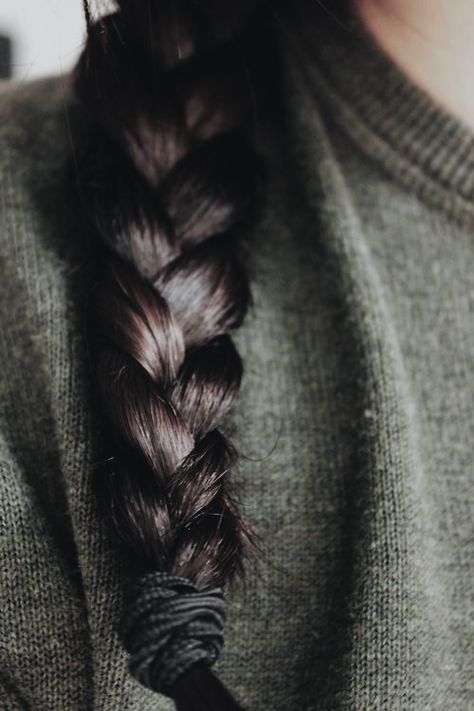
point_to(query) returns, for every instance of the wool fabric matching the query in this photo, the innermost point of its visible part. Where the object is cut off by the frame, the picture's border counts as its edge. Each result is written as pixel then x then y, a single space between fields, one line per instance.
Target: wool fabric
pixel 355 423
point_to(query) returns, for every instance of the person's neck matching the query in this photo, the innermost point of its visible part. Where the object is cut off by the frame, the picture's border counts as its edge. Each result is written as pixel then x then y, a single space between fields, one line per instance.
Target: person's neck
pixel 432 42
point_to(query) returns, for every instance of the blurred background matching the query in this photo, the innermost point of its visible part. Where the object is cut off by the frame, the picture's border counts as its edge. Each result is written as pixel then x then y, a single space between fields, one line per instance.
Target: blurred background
pixel 39 37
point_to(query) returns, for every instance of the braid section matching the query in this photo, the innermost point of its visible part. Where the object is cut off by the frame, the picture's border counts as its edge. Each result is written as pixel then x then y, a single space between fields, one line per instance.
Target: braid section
pixel 169 176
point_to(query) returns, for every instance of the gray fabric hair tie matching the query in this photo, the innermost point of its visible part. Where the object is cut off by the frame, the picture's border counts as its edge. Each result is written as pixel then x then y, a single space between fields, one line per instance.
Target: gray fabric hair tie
pixel 169 625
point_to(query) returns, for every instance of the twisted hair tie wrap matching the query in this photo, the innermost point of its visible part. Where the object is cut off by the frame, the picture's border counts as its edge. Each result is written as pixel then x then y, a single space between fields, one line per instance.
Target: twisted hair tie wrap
pixel 168 626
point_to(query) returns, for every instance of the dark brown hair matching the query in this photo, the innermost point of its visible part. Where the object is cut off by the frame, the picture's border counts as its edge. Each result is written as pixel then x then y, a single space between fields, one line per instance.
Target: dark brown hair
pixel 169 176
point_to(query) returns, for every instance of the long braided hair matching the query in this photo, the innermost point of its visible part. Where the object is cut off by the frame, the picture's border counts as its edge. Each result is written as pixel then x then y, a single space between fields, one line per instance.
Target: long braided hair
pixel 169 176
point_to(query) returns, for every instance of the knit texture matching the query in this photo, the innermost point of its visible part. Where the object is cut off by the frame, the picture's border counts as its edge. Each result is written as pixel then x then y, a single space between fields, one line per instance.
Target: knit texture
pixel 355 423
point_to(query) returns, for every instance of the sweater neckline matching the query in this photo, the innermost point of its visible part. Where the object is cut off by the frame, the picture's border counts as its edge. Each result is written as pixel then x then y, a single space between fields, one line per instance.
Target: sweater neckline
pixel 390 117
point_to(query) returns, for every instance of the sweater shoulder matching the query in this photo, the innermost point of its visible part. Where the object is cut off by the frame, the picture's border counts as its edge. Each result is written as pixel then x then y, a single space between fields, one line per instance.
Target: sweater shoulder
pixel 39 134
pixel 33 115
pixel 38 120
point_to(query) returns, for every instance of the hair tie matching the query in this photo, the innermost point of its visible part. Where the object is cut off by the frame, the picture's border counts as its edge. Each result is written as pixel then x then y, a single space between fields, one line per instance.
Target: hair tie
pixel 169 625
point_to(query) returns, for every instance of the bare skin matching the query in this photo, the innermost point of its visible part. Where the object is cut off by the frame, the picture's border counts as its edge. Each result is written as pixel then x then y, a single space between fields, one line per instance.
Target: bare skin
pixel 432 41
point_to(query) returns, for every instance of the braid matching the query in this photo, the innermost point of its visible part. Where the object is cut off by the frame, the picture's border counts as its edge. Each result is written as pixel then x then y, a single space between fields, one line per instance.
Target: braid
pixel 168 176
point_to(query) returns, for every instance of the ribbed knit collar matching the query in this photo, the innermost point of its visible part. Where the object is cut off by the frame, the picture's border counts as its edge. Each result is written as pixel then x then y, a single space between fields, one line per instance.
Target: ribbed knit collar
pixel 390 117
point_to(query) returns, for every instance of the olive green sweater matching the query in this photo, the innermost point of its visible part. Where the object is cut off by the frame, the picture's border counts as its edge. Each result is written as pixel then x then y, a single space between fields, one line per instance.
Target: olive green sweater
pixel 355 424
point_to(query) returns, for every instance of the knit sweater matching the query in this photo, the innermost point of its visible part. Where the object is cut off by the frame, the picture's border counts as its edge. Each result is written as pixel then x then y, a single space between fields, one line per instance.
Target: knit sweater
pixel 354 425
